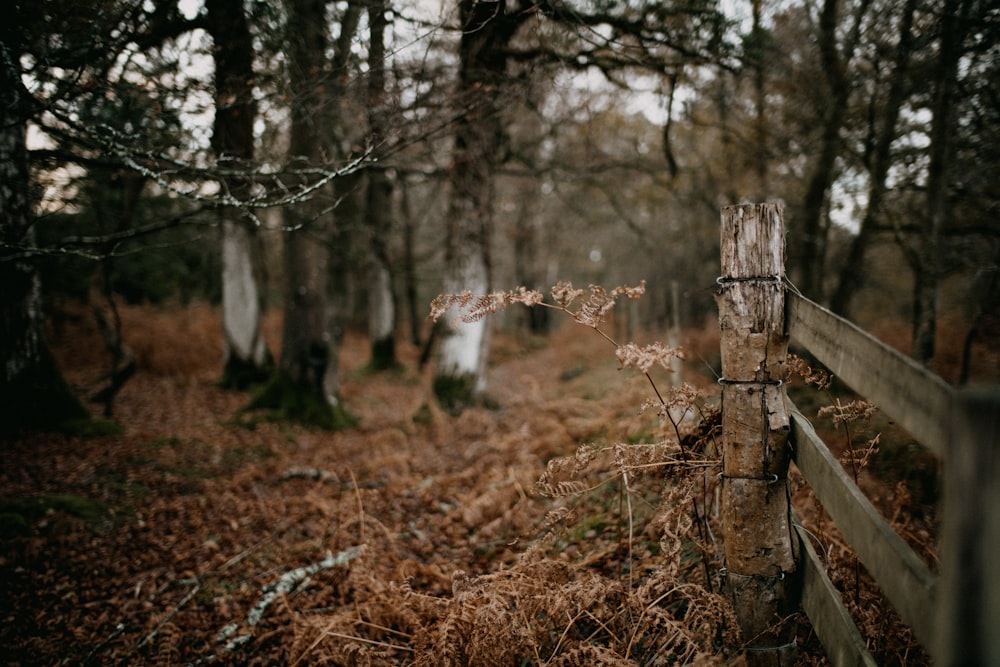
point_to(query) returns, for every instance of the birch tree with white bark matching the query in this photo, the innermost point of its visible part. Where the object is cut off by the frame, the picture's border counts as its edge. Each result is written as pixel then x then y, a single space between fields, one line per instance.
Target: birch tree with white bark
pixel 381 300
pixel 247 357
pixel 460 376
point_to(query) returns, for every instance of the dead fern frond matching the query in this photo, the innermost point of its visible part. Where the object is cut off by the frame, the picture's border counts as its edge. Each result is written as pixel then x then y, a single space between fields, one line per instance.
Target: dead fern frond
pixel 594 311
pixel 561 489
pixel 570 467
pixel 589 655
pixel 585 592
pixel 859 458
pixel 554 517
pixel 631 292
pixel 564 294
pixel 860 411
pixel 684 398
pixel 473 307
pixel 796 365
pixel 644 358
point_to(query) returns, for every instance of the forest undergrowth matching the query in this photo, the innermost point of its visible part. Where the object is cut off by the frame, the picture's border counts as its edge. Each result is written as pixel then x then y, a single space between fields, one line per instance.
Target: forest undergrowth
pixel 574 522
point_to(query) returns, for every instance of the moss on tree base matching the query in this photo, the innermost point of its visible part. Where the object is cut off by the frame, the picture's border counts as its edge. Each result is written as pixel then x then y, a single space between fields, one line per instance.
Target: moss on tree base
pixel 240 374
pixel 285 400
pixel 455 393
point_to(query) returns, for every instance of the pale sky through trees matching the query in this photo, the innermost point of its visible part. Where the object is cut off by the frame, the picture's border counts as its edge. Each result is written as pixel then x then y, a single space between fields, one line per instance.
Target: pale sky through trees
pixel 745 123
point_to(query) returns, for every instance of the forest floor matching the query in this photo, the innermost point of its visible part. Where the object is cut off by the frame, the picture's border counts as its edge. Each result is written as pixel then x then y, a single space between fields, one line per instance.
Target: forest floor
pixel 418 537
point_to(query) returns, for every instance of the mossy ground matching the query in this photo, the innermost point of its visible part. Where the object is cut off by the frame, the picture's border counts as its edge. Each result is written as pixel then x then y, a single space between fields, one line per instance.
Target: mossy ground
pixel 19 514
pixel 284 400
pixel 456 392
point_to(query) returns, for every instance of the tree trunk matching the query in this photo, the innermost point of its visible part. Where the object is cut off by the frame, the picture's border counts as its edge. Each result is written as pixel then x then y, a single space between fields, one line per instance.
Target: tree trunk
pixel 954 25
pixel 760 547
pixel 460 377
pixel 381 302
pixel 809 249
pixel 527 267
pixel 307 383
pixel 415 310
pixel 33 393
pixel 247 358
pixel 851 271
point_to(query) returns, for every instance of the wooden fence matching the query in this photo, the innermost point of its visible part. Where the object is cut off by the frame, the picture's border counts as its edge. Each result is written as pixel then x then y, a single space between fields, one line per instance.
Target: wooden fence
pixel 955 614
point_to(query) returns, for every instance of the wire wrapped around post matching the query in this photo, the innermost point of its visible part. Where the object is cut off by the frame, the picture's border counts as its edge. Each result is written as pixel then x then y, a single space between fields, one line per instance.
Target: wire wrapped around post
pixel 760 545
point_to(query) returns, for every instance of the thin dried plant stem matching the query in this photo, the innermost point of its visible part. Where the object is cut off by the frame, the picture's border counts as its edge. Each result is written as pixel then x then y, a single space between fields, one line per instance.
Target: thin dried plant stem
pixel 617 345
pixel 173 612
pixel 601 625
pixel 694 463
pixel 638 621
pixel 628 503
pixel 404 635
pixel 361 507
pixel 309 649
pixel 370 642
pixel 534 645
pixel 562 638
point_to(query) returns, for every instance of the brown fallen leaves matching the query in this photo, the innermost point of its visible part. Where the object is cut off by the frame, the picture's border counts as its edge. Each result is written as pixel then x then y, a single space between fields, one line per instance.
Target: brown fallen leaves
pixel 415 538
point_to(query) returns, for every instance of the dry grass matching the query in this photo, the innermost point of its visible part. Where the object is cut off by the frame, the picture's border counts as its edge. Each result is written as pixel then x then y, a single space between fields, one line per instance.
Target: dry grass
pixel 566 527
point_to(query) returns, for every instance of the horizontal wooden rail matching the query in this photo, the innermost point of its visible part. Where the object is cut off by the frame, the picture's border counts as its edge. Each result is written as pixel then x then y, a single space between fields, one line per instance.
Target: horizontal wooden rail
pixel 908 393
pixel 903 577
pixel 845 647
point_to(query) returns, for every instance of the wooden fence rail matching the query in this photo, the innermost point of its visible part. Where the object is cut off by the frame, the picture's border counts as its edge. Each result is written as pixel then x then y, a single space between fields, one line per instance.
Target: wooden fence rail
pixel 903 577
pixel 956 615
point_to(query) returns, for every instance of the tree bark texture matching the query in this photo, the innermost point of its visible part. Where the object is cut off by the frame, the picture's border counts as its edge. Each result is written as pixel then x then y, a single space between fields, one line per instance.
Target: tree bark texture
pixel 954 27
pixel 756 512
pixel 851 275
pixel 307 347
pixel 306 385
pixel 460 375
pixel 32 391
pixel 381 301
pixel 809 249
pixel 247 358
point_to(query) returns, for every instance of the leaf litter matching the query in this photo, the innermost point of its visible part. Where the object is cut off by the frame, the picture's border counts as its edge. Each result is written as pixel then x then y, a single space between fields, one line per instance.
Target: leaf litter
pixel 559 528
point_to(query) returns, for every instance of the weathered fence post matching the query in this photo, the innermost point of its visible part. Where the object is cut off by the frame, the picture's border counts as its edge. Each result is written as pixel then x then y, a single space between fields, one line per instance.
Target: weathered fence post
pixel 761 548
pixel 968 605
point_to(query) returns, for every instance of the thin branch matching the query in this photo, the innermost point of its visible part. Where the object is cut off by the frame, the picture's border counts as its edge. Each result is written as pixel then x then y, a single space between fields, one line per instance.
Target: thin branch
pixel 166 619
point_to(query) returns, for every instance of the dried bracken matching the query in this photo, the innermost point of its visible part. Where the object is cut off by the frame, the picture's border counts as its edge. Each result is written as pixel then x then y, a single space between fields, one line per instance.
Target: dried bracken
pixel 592 311
pixel 567 528
pixel 644 358
pixel 858 410
pixel 796 365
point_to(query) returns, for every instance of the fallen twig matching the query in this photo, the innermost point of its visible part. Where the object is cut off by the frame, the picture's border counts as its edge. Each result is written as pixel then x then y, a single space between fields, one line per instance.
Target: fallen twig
pixel 284 585
pixel 310 473
pixel 187 598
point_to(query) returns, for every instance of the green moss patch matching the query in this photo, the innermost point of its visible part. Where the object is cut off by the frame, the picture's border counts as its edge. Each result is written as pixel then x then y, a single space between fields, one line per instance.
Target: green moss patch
pixel 284 400
pixel 455 392
pixel 19 514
